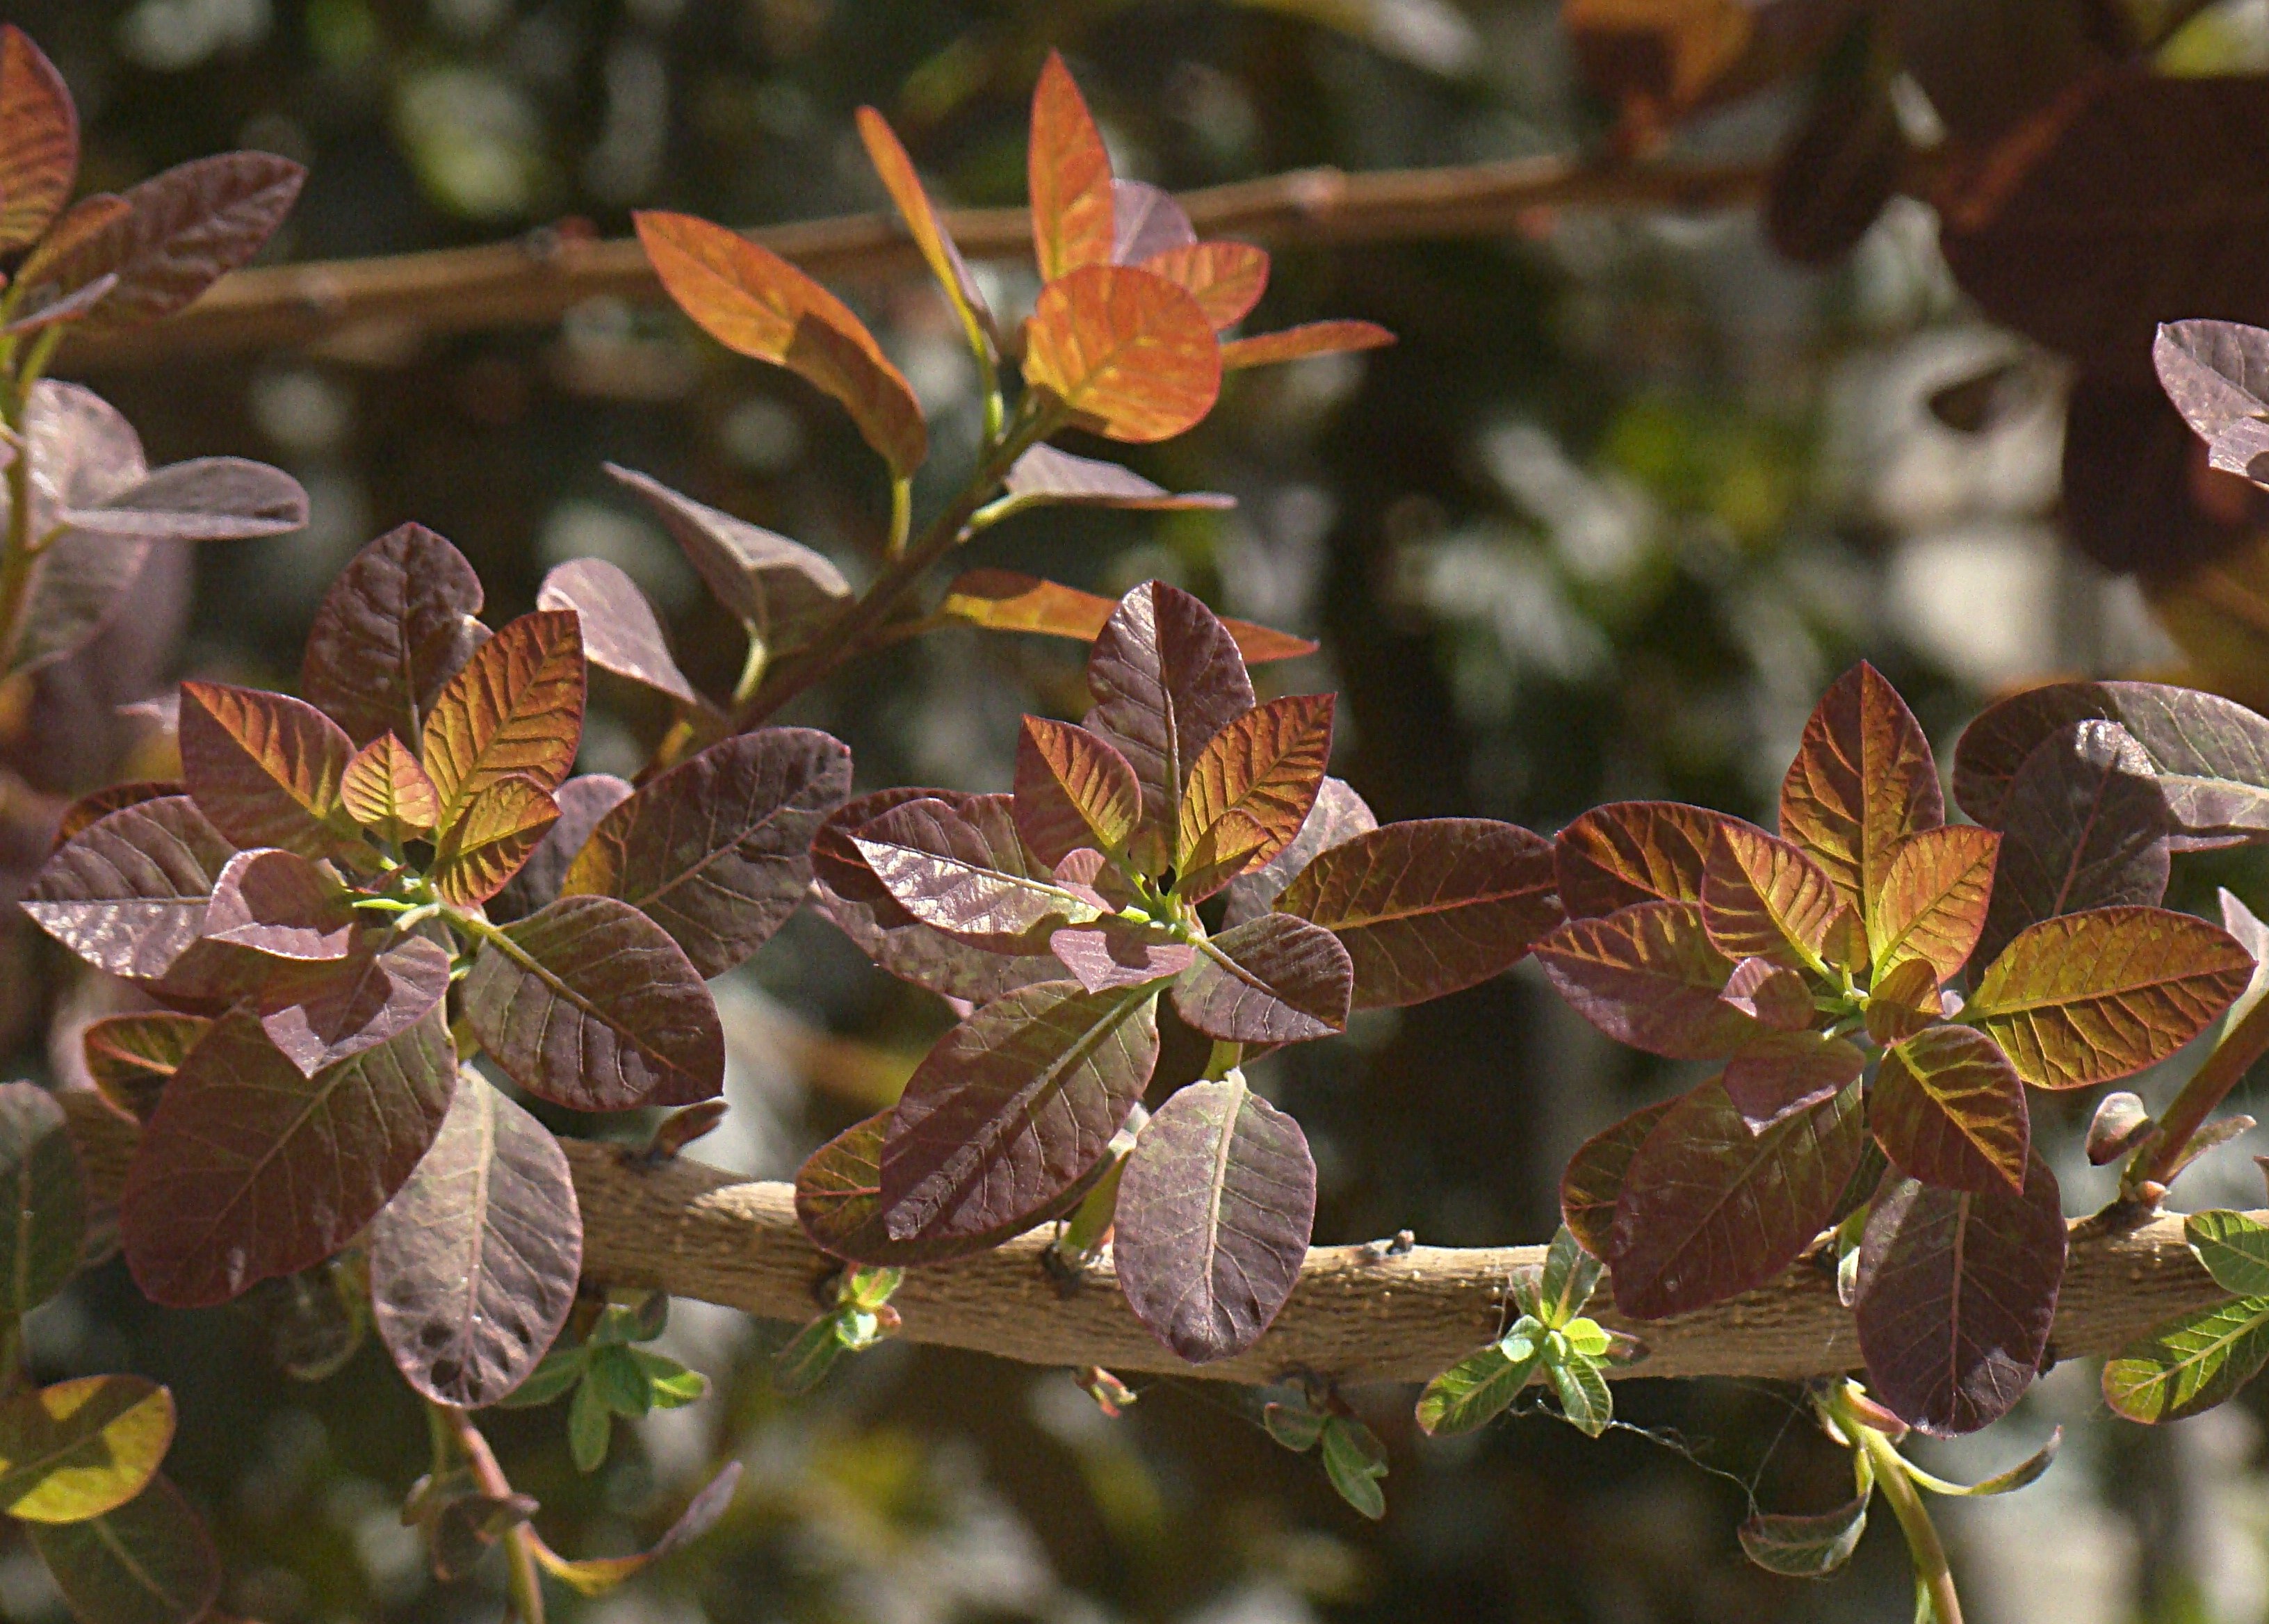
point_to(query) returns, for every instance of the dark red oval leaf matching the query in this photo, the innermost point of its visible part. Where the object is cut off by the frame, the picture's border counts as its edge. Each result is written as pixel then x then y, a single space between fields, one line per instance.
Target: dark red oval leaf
pixel 1863 780
pixel 1635 851
pixel 1592 1182
pixel 963 869
pixel 268 769
pixel 1275 979
pixel 1647 976
pixel 395 627
pixel 621 633
pixel 280 904
pixel 128 894
pixel 1948 1107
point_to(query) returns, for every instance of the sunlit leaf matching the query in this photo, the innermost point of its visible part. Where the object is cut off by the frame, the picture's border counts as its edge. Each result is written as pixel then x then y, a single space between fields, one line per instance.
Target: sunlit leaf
pixel 1117 953
pixel 2235 1250
pixel 1013 1107
pixel 38 141
pixel 2087 829
pixel 596 1576
pixel 964 870
pixel 2087 998
pixel 1074 789
pixel 267 769
pixel 1769 1077
pixel 1146 222
pixel 515 709
pixel 2215 372
pixel 207 500
pixel 1930 902
pixel 128 894
pixel 928 232
pixel 1047 477
pixel 1338 816
pixel 91 808
pixel 1647 976
pixel 1904 1002
pixel 590 1004
pixel 1004 601
pixel 130 1057
pixel 717 850
pixel 1429 906
pixel 319 1014
pixel 1565 1284
pixel 1297 344
pixel 1763 897
pixel 393 628
pixel 495 830
pixel 1770 994
pixel 1069 172
pixel 1214 1214
pixel 1249 791
pixel 1592 1182
pixel 1805 1548
pixel 1635 851
pixel 42 1197
pixel 767 581
pixel 1226 279
pixel 620 631
pixel 582 802
pixel 280 904
pixel 1476 1390
pixel 1863 780
pixel 1274 979
pixel 2025 1473
pixel 1130 354
pixel 81 1448
pixel 147 1562
pixel 473 1263
pixel 755 302
pixel 1584 1400
pixel 1949 1108
pixel 1711 1208
pixel 249 1170
pixel 1957 1294
pixel 2191 1364
pixel 387 793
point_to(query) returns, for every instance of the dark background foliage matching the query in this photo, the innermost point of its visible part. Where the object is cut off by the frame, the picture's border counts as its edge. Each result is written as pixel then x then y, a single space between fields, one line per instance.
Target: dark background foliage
pixel 1630 492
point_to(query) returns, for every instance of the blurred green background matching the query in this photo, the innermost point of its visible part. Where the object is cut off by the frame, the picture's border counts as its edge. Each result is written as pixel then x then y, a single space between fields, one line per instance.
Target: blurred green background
pixel 1626 495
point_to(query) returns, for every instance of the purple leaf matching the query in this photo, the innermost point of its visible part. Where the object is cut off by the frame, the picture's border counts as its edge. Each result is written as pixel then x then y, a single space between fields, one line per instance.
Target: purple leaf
pixel 1957 1294
pixel 1635 851
pixel 1948 1107
pixel 1145 220
pixel 208 499
pixel 394 629
pixel 1277 979
pixel 249 1170
pixel 38 314
pixel 717 850
pixel 1115 953
pixel 128 895
pixel 1592 1182
pixel 473 1265
pixel 1338 816
pixel 2215 372
pixel 766 581
pixel 85 452
pixel 590 1005
pixel 1772 1077
pixel 964 871
pixel 1046 477
pixel 1013 1107
pixel 267 769
pixel 318 1014
pixel 583 802
pixel 1214 1214
pixel 620 632
pixel 280 904
pixel 1647 976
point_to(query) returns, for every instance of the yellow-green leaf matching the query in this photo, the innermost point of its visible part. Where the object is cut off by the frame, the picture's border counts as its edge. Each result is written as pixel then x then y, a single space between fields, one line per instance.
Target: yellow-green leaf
pixel 515 709
pixel 81 1448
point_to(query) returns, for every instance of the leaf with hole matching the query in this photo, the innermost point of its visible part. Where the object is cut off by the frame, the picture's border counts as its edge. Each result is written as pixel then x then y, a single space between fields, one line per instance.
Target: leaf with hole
pixel 1949 1108
pixel 473 1263
pixel 1250 790
pixel 78 1449
pixel 779 586
pixel 128 894
pixel 1073 789
pixel 1932 900
pixel 1274 979
pixel 269 771
pixel 2191 1364
pixel 38 141
pixel 1862 782
pixel 130 1057
pixel 149 1561
pixel 42 1198
pixel 1214 1209
pixel 621 633
pixel 1298 343
pixel 963 870
pixel 1130 355
pixel 1647 976
pixel 1637 851
pixel 1069 172
pixel 392 631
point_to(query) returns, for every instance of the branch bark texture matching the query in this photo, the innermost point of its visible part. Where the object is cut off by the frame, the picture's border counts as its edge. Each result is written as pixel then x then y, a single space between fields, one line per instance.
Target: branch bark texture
pixel 1357 1316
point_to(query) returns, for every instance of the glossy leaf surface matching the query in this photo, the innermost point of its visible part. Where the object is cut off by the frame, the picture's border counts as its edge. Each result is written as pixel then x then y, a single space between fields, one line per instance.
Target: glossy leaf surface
pixel 280 904
pixel 267 769
pixel 1274 979
pixel 964 871
pixel 515 709
pixel 2234 1248
pixel 42 1197
pixel 1250 790
pixel 1932 900
pixel 2215 372
pixel 78 1449
pixel 1131 355
pixel 128 894
pixel 1949 1108
pixel 1069 172
pixel 1166 677
pixel 620 631
pixel 206 499
pixel 394 629
pixel 149 1561
pixel 1635 851
pixel 1477 1389
pixel 1647 976
pixel 1074 789
pixel 1863 781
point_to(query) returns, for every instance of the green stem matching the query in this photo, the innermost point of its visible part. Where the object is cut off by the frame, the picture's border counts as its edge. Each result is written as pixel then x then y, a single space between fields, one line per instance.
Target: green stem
pixel 2243 1042
pixel 902 524
pixel 1934 1574
pixel 752 666
pixel 1225 1058
pixel 523 1581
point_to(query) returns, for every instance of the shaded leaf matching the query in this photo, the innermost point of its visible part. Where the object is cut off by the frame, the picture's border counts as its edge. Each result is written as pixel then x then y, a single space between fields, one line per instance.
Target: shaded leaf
pixel 1069 172
pixel 2087 829
pixel 1250 790
pixel 473 1265
pixel 1805 1548
pixel 1115 953
pixel 1771 993
pixel 1130 354
pixel 963 870
pixel 91 808
pixel 38 141
pixel 321 1014
pixel 1769 1077
pixel 596 1576
pixel 280 904
pixel 1647 976
pixel 1338 816
pixel 1226 279
pixel 1904 1002
pixel 515 709
pixel 1354 1461
pixel 1013 1107
pixel 1635 851
pixel 78 1449
pixel 249 1170
pixel 620 632
pixel 1074 789
pixel 494 832
pixel 2087 998
pixel 2191 1364
pixel 1835 170
pixel 1930 902
pixel 1429 906
pixel 1664 61
pixel 393 628
pixel 582 802
pixel 1214 1209
pixel 1297 1428
pixel 269 771
pixel 755 304
pixel 1297 344
pixel 207 500
pixel 717 850
pixel 38 316
pixel 128 893
pixel 387 793
pixel 767 581
pixel 590 1004
pixel 928 232
pixel 2235 1250
pixel 1477 1389
pixel 42 1193
pixel 1592 1182
pixel 1047 477
pixel 82 451
pixel 1146 222
pixel 1949 1108
pixel 1763 897
pixel 149 1561
pixel 1274 979
pixel 1004 601
pixel 1862 782
pixel 89 215
pixel 130 1057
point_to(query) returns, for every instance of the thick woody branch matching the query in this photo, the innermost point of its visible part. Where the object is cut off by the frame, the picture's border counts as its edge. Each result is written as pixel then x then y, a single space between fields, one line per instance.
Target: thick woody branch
pixel 1357 1316
pixel 382 306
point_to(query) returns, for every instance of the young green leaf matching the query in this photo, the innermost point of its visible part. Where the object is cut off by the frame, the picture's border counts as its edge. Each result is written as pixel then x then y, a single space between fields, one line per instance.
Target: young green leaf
pixel 81 1448
pixel 590 1004
pixel 2087 998
pixel 964 871
pixel 1763 897
pixel 249 1170
pixel 42 1198
pixel 582 802
pixel 1427 907
pixel 149 1561
pixel 1354 1461
pixel 596 1576
pixel 717 850
pixel 1073 790
pixel 1069 172
pixel 1295 1427
pixel 1250 790
pixel 1571 1274
pixel 621 633
pixel 1862 782
pixel 1805 1548
pixel 1274 979
pixel 1214 1215
pixel 779 587
pixel 1013 1107
pixel 1226 279
pixel 1477 1389
pixel 755 304
pixel 1637 851
pixel 1769 1077
pixel 1592 1182
pixel 387 793
pixel 1582 1390
pixel 38 141
pixel 590 1426
pixel 2191 1364
pixel 1957 1294
pixel 1131 355
pixel 1931 902
pixel 1297 344
pixel 473 1263
pixel 1004 601
pixel 514 710
pixel 495 831
pixel 2026 1472
pixel 278 903
pixel 2235 1250
pixel 267 769
pixel 128 893
pixel 1949 1108
pixel 1647 976
pixel 130 1057
pixel 556 1373
pixel 395 627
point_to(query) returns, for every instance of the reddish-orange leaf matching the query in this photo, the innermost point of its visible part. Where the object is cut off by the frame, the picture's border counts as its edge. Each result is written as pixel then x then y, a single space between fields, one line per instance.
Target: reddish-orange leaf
pixel 1073 789
pixel 38 141
pixel 1647 976
pixel 1005 600
pixel 514 710
pixel 1863 780
pixel 1763 897
pixel 1131 354
pixel 1069 172
pixel 1903 1001
pixel 1932 900
pixel 754 302
pixel 1949 1108
pixel 1635 851
pixel 1250 789
pixel 84 221
pixel 1226 279
pixel 489 841
pixel 922 225
pixel 266 769
pixel 1296 344
pixel 387 793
